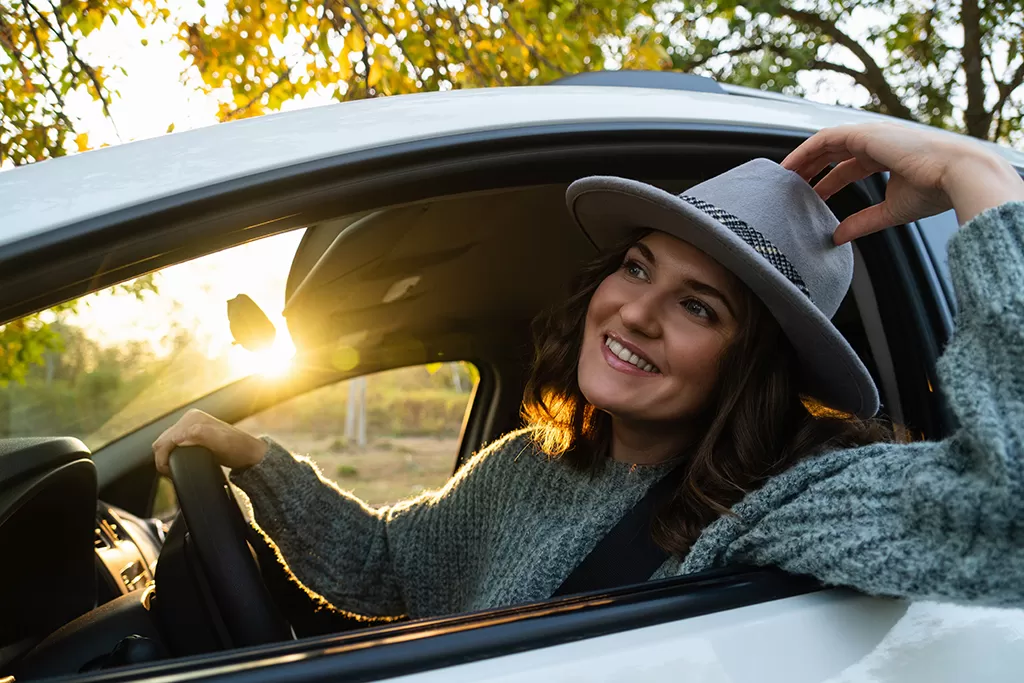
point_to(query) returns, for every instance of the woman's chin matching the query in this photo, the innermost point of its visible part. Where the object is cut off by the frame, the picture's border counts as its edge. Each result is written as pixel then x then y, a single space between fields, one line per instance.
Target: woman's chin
pixel 618 405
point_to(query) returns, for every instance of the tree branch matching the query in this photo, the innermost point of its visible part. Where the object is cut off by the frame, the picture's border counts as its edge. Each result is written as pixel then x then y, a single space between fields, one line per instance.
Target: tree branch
pixel 398 41
pixel 280 76
pixel 428 31
pixel 537 57
pixel 859 76
pixel 873 76
pixel 367 38
pixel 45 66
pixel 252 100
pixel 467 55
pixel 8 42
pixel 1006 89
pixel 745 49
pixel 59 31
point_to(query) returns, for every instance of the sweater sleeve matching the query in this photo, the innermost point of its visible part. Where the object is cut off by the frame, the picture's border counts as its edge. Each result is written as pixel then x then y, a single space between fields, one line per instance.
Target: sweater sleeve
pixel 932 520
pixel 369 561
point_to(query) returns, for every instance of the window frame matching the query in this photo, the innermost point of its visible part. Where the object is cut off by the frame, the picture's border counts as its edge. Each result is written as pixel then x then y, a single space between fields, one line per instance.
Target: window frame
pixel 428 644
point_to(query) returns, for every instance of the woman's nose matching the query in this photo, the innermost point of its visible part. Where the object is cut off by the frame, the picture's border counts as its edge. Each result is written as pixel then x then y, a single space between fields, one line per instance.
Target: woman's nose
pixel 641 316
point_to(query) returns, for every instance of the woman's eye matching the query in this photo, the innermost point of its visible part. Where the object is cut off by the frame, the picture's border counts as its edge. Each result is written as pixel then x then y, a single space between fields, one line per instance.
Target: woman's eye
pixel 634 269
pixel 698 309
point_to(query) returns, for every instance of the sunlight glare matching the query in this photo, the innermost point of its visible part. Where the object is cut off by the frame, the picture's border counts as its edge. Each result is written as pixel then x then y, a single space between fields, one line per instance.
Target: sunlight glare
pixel 274 362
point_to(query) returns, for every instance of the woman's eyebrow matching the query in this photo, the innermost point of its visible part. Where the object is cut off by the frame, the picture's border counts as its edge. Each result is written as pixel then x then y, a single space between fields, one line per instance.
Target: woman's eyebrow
pixel 708 290
pixel 646 252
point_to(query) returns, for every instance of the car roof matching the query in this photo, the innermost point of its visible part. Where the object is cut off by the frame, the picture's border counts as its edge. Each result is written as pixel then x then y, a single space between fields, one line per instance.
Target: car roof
pixel 55 193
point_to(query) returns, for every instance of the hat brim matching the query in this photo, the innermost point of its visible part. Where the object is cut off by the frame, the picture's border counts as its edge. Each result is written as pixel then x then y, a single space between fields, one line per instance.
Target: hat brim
pixel 608 208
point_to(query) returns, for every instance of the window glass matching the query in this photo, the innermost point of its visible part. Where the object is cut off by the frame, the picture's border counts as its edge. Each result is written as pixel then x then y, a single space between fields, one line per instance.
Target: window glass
pixel 103 365
pixel 936 231
pixel 384 437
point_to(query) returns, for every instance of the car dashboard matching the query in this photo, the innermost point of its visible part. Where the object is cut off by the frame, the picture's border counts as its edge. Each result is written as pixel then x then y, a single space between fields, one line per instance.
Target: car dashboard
pixel 69 560
pixel 127 548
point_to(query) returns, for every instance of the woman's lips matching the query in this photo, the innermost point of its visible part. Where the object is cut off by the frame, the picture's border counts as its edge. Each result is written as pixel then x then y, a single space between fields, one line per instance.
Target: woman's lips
pixel 621 365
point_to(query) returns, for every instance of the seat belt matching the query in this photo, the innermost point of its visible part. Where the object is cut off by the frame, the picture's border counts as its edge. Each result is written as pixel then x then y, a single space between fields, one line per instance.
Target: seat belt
pixel 627 554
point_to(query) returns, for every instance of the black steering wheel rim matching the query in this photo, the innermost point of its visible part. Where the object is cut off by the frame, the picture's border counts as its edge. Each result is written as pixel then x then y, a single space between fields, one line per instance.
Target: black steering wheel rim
pixel 217 531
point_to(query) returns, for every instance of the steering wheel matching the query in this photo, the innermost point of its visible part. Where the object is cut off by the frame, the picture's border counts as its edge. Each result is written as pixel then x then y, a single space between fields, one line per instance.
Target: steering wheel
pixel 218 530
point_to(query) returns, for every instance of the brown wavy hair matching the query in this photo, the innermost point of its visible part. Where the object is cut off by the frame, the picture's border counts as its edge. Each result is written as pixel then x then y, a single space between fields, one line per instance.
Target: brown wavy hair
pixel 758 423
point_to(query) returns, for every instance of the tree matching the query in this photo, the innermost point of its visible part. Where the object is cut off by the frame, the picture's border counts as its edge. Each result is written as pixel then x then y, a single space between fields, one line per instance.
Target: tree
pixel 264 52
pixel 953 65
pixel 267 51
pixel 27 341
pixel 42 63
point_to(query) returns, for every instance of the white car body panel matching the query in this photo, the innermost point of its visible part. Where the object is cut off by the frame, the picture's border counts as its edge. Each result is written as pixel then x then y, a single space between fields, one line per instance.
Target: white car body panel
pixel 828 637
pixel 60 192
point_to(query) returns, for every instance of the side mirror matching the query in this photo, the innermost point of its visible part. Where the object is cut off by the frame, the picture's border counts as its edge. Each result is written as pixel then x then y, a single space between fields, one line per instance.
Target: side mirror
pixel 249 325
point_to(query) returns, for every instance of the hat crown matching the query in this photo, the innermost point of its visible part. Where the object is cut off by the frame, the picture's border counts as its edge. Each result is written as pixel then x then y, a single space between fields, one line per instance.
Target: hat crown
pixel 781 207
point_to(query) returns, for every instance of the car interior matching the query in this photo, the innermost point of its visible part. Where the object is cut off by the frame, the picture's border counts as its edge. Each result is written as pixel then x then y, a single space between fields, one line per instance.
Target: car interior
pixel 454 270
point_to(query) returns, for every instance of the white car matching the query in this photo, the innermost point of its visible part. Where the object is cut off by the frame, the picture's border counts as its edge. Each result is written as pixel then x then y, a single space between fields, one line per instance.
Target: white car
pixel 399 232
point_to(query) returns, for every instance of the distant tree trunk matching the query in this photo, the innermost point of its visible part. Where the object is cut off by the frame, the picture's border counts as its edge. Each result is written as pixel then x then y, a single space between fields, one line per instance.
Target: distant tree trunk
pixel 977 120
pixel 355 415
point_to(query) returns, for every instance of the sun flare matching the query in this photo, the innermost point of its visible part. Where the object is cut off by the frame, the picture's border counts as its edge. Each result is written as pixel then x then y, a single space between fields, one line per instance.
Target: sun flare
pixel 274 362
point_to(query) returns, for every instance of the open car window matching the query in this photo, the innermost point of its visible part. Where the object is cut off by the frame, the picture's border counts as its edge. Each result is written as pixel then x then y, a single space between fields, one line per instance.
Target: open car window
pixel 103 365
pixel 385 436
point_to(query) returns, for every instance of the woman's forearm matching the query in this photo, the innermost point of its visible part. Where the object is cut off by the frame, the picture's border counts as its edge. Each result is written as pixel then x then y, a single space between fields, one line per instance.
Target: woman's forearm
pixel 332 543
pixel 977 182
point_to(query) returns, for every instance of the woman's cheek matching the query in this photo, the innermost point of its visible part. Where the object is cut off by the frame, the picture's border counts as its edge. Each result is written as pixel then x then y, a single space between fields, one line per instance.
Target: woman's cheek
pixel 693 362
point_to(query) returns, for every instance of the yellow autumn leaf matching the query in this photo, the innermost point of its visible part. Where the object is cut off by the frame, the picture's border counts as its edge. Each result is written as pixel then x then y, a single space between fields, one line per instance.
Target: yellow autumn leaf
pixel 82 141
pixel 354 41
pixel 376 71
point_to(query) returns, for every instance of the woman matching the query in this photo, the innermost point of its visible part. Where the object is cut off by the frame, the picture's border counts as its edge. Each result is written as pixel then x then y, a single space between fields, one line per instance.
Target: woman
pixel 684 353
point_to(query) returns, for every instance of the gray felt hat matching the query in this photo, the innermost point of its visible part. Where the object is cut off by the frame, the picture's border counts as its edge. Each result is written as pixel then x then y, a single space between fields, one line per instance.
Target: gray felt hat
pixel 767 225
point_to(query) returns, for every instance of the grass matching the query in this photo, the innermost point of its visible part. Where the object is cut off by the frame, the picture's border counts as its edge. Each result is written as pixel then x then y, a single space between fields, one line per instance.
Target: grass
pixel 386 471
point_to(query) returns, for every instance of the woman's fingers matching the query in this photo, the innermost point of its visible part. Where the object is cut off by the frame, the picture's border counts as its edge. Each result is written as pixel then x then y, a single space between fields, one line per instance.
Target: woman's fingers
pixel 813 155
pixel 231 446
pixel 848 171
pixel 162 448
pixel 178 434
pixel 864 222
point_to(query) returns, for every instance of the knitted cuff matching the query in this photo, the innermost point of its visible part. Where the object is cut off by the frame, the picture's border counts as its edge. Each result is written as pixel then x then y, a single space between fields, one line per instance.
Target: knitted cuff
pixel 264 481
pixel 986 260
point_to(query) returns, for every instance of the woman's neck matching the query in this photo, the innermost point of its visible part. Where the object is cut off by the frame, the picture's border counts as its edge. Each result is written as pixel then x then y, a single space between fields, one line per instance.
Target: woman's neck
pixel 645 443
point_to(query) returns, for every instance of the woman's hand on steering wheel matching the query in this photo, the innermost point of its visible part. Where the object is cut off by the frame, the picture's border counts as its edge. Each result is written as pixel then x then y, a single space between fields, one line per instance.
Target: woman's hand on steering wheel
pixel 230 446
pixel 930 172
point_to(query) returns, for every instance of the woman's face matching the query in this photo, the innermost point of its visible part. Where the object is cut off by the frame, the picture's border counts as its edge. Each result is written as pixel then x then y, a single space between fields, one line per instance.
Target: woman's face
pixel 655 330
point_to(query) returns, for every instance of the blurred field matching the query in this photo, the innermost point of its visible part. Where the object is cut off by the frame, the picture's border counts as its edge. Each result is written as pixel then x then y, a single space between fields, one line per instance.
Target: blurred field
pixel 386 471
pixel 413 419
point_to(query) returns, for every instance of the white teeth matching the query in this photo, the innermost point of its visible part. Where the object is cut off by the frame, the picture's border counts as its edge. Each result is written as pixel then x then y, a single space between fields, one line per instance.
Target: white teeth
pixel 625 354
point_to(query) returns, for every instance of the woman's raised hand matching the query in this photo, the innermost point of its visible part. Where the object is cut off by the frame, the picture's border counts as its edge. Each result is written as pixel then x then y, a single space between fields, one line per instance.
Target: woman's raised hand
pixel 230 446
pixel 930 172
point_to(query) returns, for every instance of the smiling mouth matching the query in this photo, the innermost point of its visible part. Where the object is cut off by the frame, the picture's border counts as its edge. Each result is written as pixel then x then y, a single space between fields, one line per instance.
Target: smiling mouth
pixel 628 356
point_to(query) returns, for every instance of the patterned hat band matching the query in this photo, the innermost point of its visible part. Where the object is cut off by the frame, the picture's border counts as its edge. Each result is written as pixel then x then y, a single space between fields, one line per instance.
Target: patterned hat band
pixel 754 239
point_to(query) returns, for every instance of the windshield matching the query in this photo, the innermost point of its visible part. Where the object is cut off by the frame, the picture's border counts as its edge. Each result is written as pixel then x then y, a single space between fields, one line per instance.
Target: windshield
pixel 100 367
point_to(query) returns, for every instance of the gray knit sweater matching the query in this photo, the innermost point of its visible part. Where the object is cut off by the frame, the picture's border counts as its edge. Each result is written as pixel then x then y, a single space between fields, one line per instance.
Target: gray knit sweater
pixel 933 520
